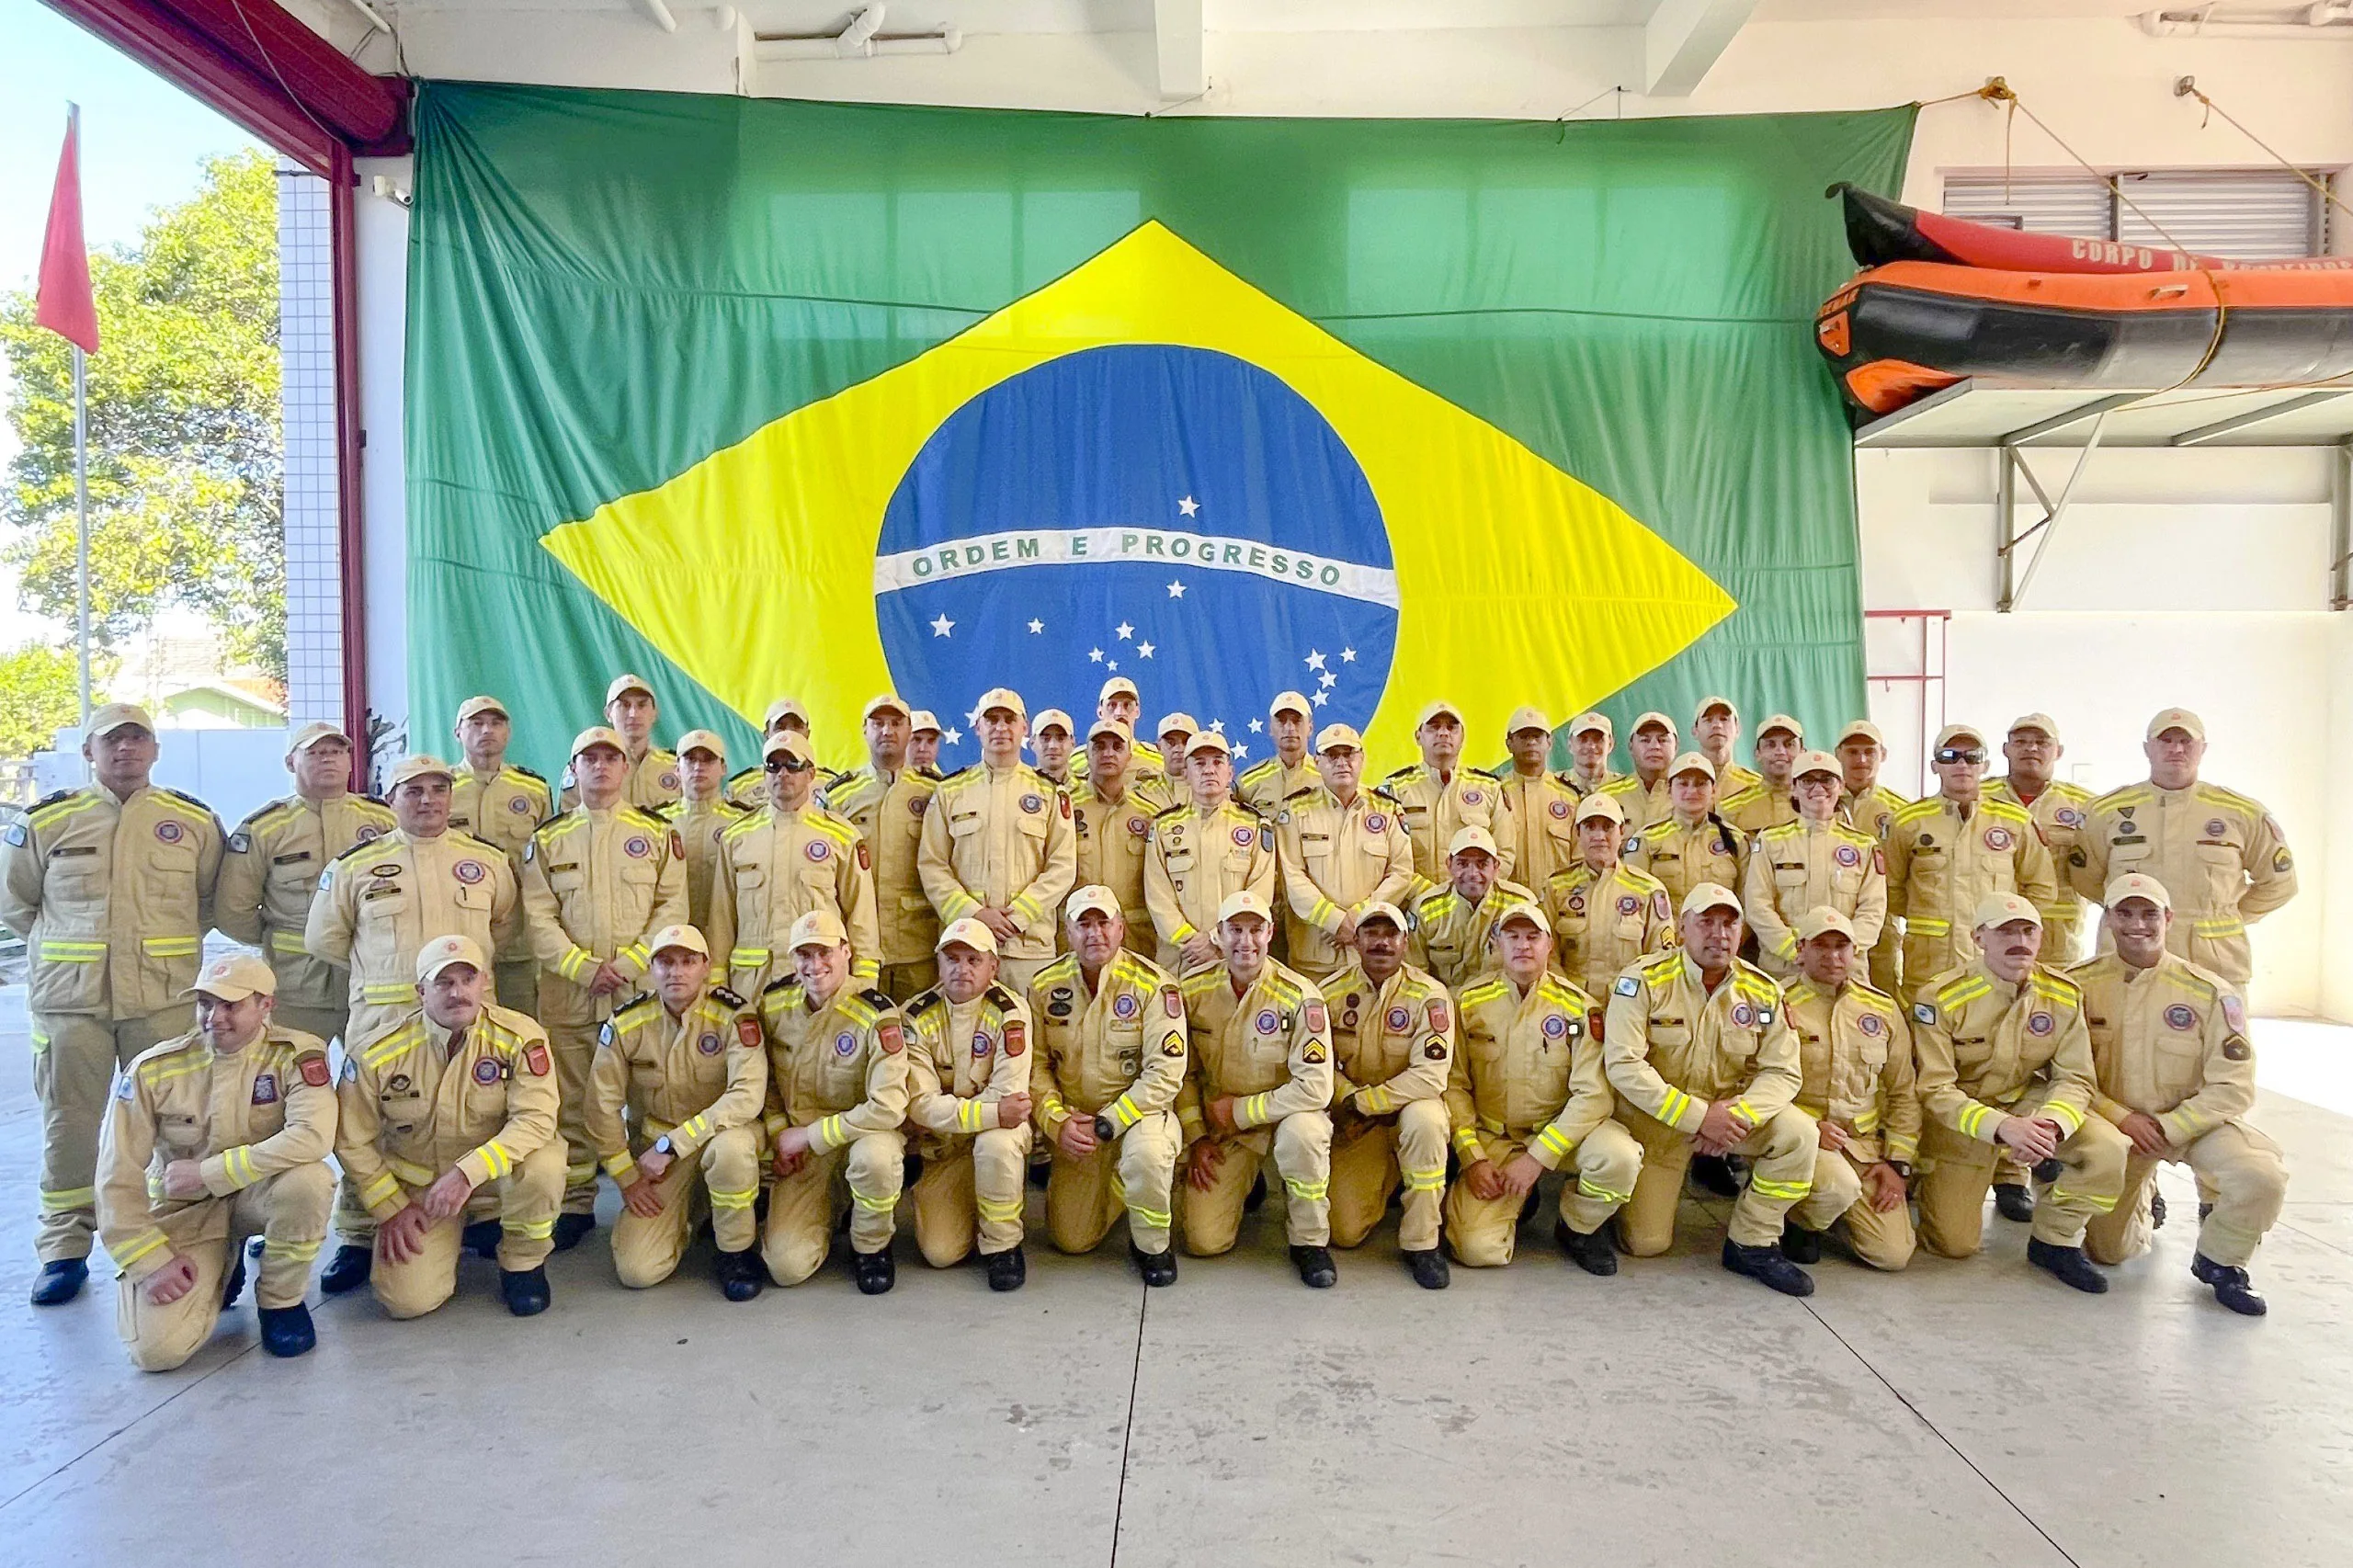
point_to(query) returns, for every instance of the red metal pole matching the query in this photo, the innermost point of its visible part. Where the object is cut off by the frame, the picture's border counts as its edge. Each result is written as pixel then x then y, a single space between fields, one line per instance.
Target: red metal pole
pixel 349 440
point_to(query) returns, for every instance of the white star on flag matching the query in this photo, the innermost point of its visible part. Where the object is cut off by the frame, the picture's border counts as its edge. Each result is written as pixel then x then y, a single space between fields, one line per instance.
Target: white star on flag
pixel 1314 660
pixel 1241 751
pixel 1143 650
pixel 1347 655
pixel 1111 665
pixel 1321 698
pixel 1328 680
pixel 1218 724
pixel 1096 655
pixel 973 717
pixel 942 627
pixel 1176 590
pixel 953 737
pixel 1257 725
pixel 1188 505
pixel 1036 627
pixel 1125 631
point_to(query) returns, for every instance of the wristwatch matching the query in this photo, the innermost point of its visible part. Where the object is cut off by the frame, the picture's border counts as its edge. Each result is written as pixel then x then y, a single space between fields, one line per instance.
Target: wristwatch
pixel 1105 1128
pixel 1901 1167
pixel 661 1144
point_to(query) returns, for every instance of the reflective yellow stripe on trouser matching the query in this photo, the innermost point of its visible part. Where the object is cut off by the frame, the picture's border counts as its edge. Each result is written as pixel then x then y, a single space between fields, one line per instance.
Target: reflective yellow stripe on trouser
pixel 74 1059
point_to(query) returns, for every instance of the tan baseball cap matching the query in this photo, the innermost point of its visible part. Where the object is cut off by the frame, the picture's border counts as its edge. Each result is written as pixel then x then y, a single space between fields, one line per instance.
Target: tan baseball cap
pixel 1244 902
pixel 473 705
pixel 233 977
pixel 785 708
pixel 1178 723
pixel 106 721
pixel 442 951
pixel 1782 723
pixel 310 734
pixel 1709 895
pixel 702 740
pixel 1094 896
pixel 968 931
pixel 1338 737
pixel 1102 727
pixel 818 929
pixel 1603 806
pixel 1692 762
pixel 1708 704
pixel 1471 837
pixel 2136 884
pixel 2177 719
pixel 684 936
pixel 2043 722
pixel 1003 697
pixel 1585 724
pixel 1821 919
pixel 1206 740
pixel 1432 710
pixel 2001 908
pixel 1952 732
pixel 622 683
pixel 1863 728
pixel 886 703
pixel 1520 909
pixel 923 721
pixel 1118 686
pixel 1816 762
pixel 599 736
pixel 416 765
pixel 1527 719
pixel 1653 716
pixel 1290 702
pixel 1381 909
pixel 1050 719
pixel 792 745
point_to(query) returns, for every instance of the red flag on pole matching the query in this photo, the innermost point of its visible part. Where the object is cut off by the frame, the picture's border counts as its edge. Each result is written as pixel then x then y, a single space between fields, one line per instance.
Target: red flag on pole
pixel 63 304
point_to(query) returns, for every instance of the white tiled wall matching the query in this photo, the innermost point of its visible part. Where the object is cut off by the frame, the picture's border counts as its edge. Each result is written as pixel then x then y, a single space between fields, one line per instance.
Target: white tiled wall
pixel 306 353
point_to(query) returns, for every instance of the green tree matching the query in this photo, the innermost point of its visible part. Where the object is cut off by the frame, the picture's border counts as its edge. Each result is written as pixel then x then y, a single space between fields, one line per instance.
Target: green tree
pixel 186 495
pixel 40 691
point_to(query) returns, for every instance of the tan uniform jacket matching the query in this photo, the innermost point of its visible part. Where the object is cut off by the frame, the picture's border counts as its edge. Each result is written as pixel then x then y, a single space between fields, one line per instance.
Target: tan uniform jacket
pixel 411 1109
pixel 1854 1055
pixel 773 868
pixel 839 1070
pixel 504 808
pixel 2059 812
pixel 1682 855
pixel 1114 841
pixel 378 903
pixel 1529 1068
pixel 888 812
pixel 1874 809
pixel 1334 860
pixel 1537 828
pixel 653 781
pixel 1940 866
pixel 1391 1042
pixel 1435 809
pixel 1450 935
pixel 1271 1045
pixel 1580 786
pixel 1001 838
pixel 698 825
pixel 1732 778
pixel 1672 1047
pixel 112 898
pixel 269 875
pixel 1643 803
pixel 2169 1042
pixel 1267 785
pixel 1797 867
pixel 1603 921
pixel 1982 1043
pixel 244 1116
pixel 2220 855
pixel 1758 807
pixel 685 1078
pixel 597 886
pixel 1119 1052
pixel 962 1060
pixel 1196 858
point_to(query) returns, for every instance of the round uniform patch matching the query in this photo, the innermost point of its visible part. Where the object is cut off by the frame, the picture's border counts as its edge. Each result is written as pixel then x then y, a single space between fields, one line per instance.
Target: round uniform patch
pixel 2216 827
pixel 818 849
pixel 637 847
pixel 1033 804
pixel 2040 1023
pixel 1743 1014
pixel 1559 809
pixel 983 1045
pixel 915 807
pixel 1244 836
pixel 1266 1020
pixel 669 780
pixel 1718 847
pixel 1628 905
pixel 1870 1024
pixel 718 831
pixel 1123 1006
pixel 1849 856
pixel 1576 904
pixel 1139 826
pixel 486 1070
pixel 1556 1027
pixel 1473 797
pixel 1401 1017
pixel 2180 1016
pixel 844 1044
pixel 518 805
pixel 2068 816
pixel 1997 838
pixel 170 832
pixel 366 833
pixel 1375 823
pixel 469 871
pixel 708 1045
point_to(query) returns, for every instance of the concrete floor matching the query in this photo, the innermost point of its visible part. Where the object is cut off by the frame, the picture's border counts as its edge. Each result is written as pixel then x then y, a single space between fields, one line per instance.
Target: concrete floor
pixel 1960 1413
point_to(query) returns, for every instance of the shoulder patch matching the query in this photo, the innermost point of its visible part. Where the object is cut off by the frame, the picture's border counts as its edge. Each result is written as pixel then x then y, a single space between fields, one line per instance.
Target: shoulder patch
pixel 1925 1013
pixel 1627 985
pixel 726 997
pixel 877 1000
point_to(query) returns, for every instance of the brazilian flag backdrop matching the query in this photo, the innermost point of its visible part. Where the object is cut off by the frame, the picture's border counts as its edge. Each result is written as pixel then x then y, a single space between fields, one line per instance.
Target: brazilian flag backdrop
pixel 760 398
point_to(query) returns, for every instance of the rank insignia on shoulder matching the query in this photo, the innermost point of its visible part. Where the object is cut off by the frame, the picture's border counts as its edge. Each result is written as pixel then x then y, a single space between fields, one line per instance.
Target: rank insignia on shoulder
pixel 1434 1048
pixel 726 997
pixel 2235 1049
pixel 1628 986
pixel 1172 1047
pixel 1313 1056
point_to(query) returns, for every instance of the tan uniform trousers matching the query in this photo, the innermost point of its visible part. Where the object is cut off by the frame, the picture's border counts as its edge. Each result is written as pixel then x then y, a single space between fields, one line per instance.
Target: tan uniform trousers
pixel 75 1056
pixel 1085 1192
pixel 905 981
pixel 723 1175
pixel 1372 1157
pixel 518 986
pixel 327 1023
pixel 2249 1179
pixel 972 1190
pixel 289 1210
pixel 523 1202
pixel 1959 1172
pixel 574 1046
pixel 1014 975
pixel 1301 1145
pixel 1780 1151
pixel 1882 1241
pixel 867 1173
pixel 1600 1175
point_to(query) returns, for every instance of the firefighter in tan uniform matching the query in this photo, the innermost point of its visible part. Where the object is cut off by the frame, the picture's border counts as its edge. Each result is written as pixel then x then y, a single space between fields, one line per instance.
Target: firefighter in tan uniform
pixel 788 857
pixel 1871 806
pixel 885 801
pixel 1642 794
pixel 1290 720
pixel 968 1108
pixel 1817 860
pixel 1715 729
pixel 1949 852
pixel 598 883
pixel 748 787
pixel 2005 1063
pixel 1528 1094
pixel 1855 1057
pixel 837 1096
pixel 1536 831
pixel 923 739
pixel 210 1138
pixel 1591 740
pixel 687 1064
pixel 1692 843
pixel 1176 730
pixel 502 804
pixel 1393 1042
pixel 699 816
pixel 1702 1057
pixel 1604 914
pixel 1117 701
pixel 652 776
pixel 2057 807
pixel 2220 854
pixel 1202 854
pixel 997 846
pixel 2176 1074
pixel 1339 851
pixel 447 1128
pixel 112 887
pixel 1781 741
pixel 1451 925
pixel 1053 739
pixel 1111 1059
pixel 270 871
pixel 1437 798
pixel 1111 816
pixel 1258 1082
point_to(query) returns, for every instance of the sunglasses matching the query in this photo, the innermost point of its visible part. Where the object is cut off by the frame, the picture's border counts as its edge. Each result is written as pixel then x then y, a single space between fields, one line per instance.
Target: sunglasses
pixel 1960 754
pixel 786 764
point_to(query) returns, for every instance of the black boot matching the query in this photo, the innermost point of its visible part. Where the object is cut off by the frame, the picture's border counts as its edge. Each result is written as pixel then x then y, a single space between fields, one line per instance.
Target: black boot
pixel 1158 1268
pixel 234 1286
pixel 1714 1173
pixel 2156 1211
pixel 1799 1245
pixel 1258 1198
pixel 60 1282
pixel 570 1228
pixel 526 1290
pixel 1316 1269
pixel 2014 1201
pixel 349 1269
pixel 1429 1268
pixel 2230 1286
pixel 1768 1266
pixel 480 1238
pixel 1589 1250
pixel 874 1271
pixel 1008 1269
pixel 2067 1265
pixel 287 1331
pixel 740 1274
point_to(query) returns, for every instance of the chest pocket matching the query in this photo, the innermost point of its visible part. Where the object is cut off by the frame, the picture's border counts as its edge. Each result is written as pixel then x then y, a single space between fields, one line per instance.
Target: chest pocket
pixel 962 826
pixel 168 871
pixel 403 1113
pixel 566 884
pixel 815 873
pixel 485 1103
pixel 181 1136
pixel 1671 1036
pixel 384 909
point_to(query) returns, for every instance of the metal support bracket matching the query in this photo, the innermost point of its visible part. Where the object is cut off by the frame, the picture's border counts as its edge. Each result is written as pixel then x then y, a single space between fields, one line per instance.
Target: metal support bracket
pixel 2010 584
pixel 2340 531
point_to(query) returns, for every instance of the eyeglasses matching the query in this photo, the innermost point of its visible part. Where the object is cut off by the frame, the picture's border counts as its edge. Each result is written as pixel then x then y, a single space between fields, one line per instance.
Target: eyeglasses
pixel 1960 754
pixel 786 764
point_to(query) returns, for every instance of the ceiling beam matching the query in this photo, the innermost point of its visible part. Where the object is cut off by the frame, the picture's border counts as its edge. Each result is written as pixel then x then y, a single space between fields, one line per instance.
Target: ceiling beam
pixel 1684 38
pixel 1176 34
